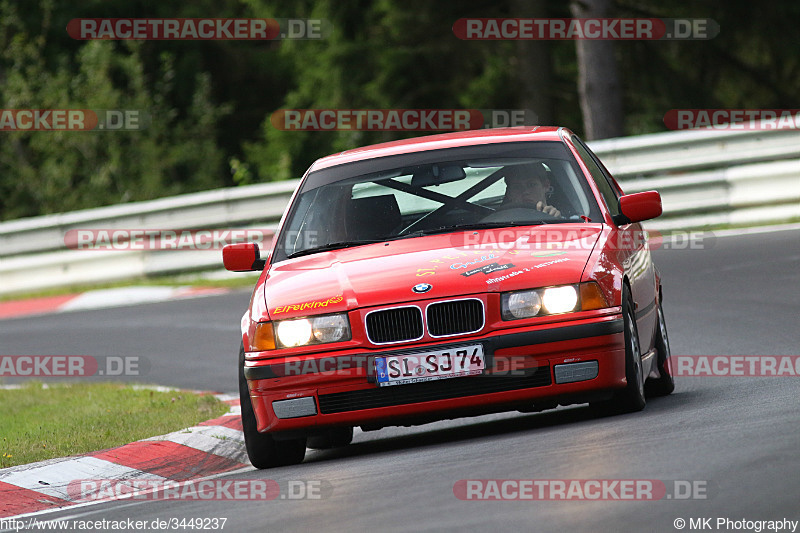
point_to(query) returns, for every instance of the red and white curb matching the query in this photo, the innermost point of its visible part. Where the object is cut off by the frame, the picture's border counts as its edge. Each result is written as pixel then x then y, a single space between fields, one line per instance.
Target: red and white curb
pixel 210 448
pixel 102 298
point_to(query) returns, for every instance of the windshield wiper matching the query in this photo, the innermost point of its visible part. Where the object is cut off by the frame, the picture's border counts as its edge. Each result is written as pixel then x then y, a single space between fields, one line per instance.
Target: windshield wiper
pixel 331 246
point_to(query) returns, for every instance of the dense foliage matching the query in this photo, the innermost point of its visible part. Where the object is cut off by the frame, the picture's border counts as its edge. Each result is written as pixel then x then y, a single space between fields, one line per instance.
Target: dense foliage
pixel 210 102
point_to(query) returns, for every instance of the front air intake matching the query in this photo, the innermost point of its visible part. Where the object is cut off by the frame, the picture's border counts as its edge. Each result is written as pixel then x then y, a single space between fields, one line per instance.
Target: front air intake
pixel 456 317
pixel 394 325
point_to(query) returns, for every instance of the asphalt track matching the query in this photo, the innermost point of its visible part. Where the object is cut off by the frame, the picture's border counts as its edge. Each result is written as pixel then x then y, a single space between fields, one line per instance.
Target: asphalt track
pixel 736 437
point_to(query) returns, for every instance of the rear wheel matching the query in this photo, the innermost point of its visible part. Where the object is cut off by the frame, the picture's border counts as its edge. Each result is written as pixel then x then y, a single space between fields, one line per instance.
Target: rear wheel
pixel 665 384
pixel 631 398
pixel 263 449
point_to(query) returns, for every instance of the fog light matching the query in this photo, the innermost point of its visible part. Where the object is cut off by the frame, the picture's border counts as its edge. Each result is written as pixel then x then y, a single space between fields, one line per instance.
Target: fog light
pixel 295 407
pixel 572 372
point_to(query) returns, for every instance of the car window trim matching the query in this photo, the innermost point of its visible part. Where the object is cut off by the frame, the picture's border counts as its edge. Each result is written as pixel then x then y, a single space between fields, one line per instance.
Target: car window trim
pixel 579 143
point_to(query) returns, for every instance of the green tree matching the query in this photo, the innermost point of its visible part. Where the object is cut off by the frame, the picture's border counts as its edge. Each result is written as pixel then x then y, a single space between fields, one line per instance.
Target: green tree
pixel 53 171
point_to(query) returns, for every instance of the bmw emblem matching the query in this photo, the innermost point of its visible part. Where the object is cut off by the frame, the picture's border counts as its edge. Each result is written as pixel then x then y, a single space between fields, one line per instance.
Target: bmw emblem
pixel 422 287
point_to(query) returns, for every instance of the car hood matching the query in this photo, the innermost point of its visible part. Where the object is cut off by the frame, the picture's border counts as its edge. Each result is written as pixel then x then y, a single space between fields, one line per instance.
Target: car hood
pixel 451 264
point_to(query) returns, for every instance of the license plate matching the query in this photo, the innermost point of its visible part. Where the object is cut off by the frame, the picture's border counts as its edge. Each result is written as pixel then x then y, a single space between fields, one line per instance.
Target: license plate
pixel 429 366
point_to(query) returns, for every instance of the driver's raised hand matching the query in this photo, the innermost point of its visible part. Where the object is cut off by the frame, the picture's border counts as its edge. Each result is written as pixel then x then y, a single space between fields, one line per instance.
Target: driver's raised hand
pixel 548 209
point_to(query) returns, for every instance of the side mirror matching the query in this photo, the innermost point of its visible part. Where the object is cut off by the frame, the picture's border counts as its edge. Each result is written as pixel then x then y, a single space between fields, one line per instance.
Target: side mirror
pixel 638 206
pixel 242 257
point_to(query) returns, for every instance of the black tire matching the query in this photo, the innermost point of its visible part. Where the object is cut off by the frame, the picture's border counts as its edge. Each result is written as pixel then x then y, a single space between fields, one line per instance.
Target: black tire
pixel 665 384
pixel 333 438
pixel 263 450
pixel 632 397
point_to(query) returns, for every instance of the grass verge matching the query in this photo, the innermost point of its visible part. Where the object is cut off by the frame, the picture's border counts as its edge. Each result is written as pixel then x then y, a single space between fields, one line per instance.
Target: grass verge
pixel 41 422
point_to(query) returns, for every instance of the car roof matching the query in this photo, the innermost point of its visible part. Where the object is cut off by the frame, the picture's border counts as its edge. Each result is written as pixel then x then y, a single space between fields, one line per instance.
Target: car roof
pixel 444 140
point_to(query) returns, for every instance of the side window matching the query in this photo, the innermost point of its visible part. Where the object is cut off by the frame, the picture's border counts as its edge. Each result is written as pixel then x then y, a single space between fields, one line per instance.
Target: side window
pixel 609 193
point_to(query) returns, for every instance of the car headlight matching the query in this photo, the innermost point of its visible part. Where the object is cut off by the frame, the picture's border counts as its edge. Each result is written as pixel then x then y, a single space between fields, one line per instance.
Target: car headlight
pixel 552 301
pixel 294 332
pixel 330 328
pixel 523 304
pixel 559 299
pixel 312 330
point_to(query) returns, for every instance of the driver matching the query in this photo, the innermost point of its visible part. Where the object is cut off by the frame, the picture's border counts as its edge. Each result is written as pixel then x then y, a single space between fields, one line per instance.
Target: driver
pixel 528 185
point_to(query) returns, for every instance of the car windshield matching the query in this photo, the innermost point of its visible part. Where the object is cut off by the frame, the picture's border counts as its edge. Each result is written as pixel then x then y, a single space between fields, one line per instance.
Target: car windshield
pixel 465 188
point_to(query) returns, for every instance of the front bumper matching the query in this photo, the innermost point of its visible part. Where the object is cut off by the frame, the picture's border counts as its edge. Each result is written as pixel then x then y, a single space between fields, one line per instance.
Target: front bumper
pixel 525 369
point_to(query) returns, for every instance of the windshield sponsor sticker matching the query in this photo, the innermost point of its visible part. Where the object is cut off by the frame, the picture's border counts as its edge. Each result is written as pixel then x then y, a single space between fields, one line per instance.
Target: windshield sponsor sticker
pixel 468 259
pixel 308 305
pixel 456 266
pixel 487 269
pixel 525 269
pixel 507 276
pixel 553 262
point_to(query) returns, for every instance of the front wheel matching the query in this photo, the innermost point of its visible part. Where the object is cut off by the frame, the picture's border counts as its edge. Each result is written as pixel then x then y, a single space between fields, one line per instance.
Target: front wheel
pixel 665 383
pixel 263 449
pixel 631 398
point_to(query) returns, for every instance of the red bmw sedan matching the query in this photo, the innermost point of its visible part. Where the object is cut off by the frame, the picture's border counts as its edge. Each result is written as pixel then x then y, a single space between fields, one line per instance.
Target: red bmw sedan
pixel 447 276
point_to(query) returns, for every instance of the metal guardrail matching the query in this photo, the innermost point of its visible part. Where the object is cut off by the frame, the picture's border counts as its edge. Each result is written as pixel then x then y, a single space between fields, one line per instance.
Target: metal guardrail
pixel 233 207
pixel 743 194
pixel 682 151
pixel 705 178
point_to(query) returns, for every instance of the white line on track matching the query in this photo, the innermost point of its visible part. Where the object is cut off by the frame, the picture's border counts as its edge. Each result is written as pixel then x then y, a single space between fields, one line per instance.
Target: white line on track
pixel 88 504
